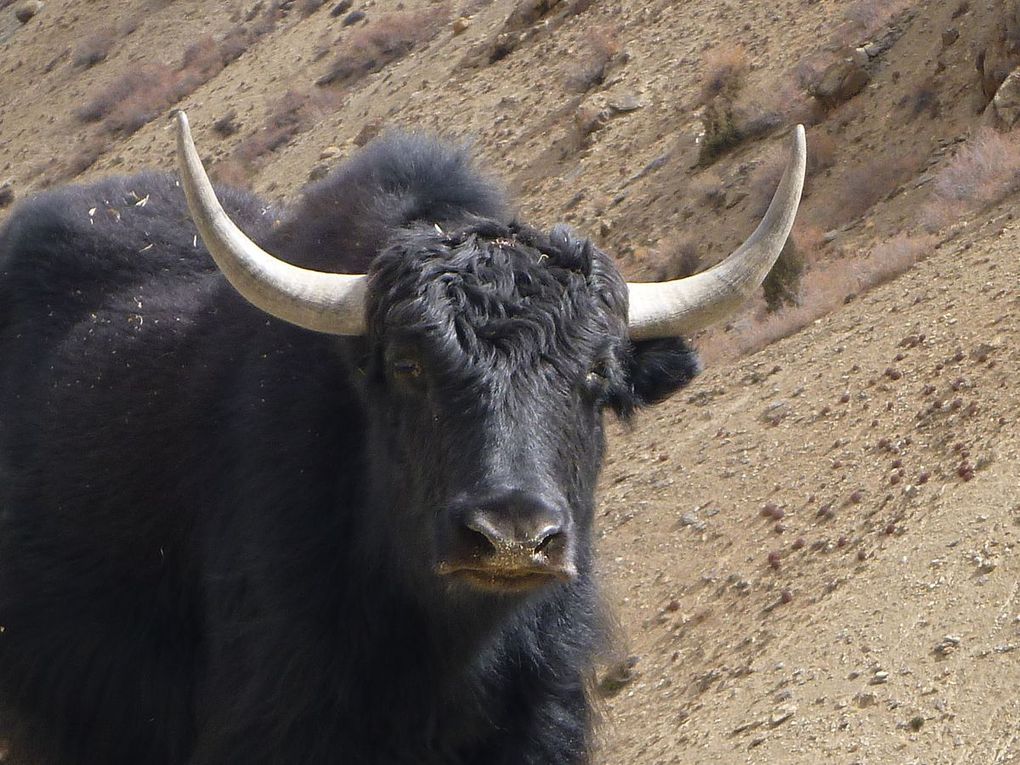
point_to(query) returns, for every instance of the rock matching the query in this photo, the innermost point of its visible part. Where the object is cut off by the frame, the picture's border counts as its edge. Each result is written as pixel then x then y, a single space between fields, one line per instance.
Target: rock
pixel 782 714
pixel 329 152
pixel 26 9
pixel 840 82
pixel 461 25
pixel 6 193
pixel 625 103
pixel 775 413
pixel 353 18
pixel 1003 111
pixel 342 7
pixel 946 646
pixel 949 36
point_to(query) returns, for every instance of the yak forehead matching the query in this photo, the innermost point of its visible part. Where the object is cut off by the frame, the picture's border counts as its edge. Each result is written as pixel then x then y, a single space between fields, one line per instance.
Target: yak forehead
pixel 501 293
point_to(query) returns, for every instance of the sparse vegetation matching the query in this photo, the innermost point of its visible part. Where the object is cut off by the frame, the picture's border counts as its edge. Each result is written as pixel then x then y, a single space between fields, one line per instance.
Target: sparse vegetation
pixel 142 94
pixel 983 172
pixel 382 41
pixel 823 287
pixel 679 258
pixel 291 115
pixel 93 49
pixel 782 285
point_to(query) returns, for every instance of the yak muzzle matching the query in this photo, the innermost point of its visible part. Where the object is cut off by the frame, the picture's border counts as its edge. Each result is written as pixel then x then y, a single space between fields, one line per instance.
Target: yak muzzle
pixel 513 541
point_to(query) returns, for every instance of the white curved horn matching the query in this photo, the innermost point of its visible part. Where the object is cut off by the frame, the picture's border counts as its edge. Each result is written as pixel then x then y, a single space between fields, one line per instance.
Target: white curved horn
pixel 323 302
pixel 679 307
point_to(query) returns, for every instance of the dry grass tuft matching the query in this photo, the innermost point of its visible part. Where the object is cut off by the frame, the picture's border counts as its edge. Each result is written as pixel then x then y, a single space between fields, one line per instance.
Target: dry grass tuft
pixel 984 171
pixel 294 113
pixel 679 259
pixel 382 41
pixel 725 71
pixel 824 287
pixel 143 94
pixel 93 49
pixel 782 284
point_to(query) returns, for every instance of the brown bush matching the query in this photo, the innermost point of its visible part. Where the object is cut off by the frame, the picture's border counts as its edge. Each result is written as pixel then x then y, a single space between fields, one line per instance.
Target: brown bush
pixel 823 288
pixel 725 69
pixel 93 50
pixel 83 156
pixel 140 95
pixel 291 115
pixel 782 284
pixel 678 259
pixel 867 183
pixel 382 41
pixel 600 46
pixel 128 94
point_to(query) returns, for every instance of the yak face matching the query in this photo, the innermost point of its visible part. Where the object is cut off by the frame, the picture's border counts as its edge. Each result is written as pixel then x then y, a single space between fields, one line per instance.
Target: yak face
pixel 493 352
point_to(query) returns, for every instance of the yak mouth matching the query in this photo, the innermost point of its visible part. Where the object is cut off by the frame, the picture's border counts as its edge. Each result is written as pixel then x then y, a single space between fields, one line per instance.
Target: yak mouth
pixel 504 581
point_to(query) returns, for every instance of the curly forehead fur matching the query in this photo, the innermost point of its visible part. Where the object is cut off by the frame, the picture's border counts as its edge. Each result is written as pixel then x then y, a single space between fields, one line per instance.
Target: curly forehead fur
pixel 500 290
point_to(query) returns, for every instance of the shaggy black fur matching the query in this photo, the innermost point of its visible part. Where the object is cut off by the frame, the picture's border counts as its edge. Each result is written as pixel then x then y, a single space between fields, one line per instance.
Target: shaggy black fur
pixel 216 528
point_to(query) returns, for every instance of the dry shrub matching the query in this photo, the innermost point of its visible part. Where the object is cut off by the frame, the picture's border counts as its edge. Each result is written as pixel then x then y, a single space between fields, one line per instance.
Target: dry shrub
pixel 93 49
pixel 140 95
pixel 867 183
pixel 782 283
pixel 294 113
pixel 864 18
pixel 134 92
pixel 679 259
pixel 83 157
pixel 824 287
pixel 984 171
pixel 600 46
pixel 382 41
pixel 725 70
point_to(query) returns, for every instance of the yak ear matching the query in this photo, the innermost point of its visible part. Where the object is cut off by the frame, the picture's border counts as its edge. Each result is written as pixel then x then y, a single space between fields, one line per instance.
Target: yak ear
pixel 659 368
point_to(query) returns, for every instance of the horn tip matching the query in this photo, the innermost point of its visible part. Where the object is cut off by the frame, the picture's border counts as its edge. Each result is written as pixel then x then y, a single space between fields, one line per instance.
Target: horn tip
pixel 181 118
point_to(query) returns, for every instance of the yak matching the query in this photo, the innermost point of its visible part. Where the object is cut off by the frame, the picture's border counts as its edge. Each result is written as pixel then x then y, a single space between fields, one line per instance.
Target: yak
pixel 316 484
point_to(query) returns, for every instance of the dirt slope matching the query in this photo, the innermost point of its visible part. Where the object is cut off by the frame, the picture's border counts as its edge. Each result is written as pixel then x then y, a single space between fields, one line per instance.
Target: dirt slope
pixel 811 551
pixel 886 437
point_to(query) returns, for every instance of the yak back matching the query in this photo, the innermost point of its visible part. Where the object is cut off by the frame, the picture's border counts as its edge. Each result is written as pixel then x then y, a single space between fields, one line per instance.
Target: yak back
pixel 342 222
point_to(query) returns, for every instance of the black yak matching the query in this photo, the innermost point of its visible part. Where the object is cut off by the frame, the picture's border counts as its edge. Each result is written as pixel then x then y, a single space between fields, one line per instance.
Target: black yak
pixel 270 510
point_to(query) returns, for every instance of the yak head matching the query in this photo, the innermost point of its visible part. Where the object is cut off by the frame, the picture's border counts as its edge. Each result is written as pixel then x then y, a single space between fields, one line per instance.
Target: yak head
pixel 490 354
pixel 494 351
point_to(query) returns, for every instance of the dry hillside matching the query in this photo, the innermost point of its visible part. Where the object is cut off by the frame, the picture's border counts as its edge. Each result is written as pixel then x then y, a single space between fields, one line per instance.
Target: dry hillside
pixel 812 552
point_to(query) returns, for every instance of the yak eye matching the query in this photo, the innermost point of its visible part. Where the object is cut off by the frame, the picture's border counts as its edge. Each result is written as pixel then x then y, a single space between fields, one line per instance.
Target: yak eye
pixel 407 368
pixel 597 378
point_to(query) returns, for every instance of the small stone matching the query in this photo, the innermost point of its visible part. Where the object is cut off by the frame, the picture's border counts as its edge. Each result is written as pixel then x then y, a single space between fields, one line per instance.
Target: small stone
pixel 865 699
pixel 947 645
pixel 461 25
pixel 329 152
pixel 880 677
pixel 26 9
pixel 625 103
pixel 782 714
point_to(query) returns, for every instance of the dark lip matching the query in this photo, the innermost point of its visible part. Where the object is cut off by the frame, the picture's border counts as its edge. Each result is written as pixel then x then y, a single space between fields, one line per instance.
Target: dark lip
pixel 503 581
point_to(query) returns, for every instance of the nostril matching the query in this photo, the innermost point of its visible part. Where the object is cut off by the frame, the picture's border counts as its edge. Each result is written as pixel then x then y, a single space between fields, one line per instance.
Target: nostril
pixel 478 538
pixel 552 544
